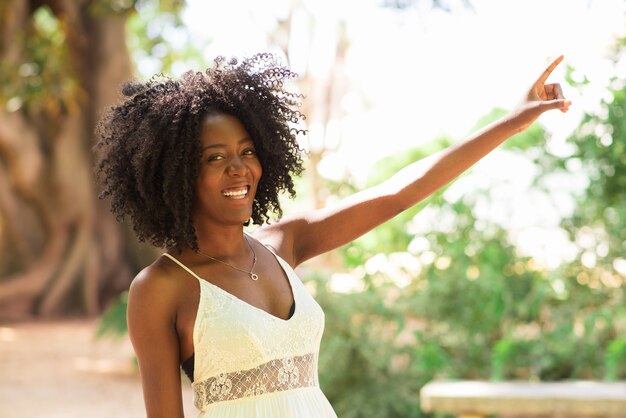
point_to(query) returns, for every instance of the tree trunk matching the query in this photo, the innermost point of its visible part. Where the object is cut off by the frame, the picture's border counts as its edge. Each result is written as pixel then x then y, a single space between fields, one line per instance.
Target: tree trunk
pixel 64 252
pixel 323 81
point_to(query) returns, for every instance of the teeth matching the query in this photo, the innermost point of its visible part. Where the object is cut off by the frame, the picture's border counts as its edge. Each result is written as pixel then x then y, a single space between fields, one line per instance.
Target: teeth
pixel 236 193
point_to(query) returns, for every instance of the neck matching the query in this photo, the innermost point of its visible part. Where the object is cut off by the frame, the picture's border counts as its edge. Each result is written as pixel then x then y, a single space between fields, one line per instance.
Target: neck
pixel 222 242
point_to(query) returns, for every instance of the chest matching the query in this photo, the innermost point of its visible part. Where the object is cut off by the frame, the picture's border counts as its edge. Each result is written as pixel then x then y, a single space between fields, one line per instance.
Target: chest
pixel 271 297
pixel 230 334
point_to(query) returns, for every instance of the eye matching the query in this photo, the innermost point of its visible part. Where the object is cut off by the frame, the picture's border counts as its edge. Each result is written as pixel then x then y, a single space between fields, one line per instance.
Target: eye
pixel 215 157
pixel 249 152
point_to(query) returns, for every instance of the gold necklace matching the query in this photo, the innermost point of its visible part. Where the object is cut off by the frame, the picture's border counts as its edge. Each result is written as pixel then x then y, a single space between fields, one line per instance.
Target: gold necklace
pixel 252 275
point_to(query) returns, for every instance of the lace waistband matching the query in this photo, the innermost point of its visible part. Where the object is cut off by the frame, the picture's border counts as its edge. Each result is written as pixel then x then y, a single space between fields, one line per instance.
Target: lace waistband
pixel 273 376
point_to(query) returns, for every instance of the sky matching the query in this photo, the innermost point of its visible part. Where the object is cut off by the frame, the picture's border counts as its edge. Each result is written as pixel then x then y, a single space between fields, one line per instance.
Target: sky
pixel 425 73
pixel 422 73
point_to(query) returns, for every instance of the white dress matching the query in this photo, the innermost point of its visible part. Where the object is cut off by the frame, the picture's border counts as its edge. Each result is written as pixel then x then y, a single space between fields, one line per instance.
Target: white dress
pixel 249 363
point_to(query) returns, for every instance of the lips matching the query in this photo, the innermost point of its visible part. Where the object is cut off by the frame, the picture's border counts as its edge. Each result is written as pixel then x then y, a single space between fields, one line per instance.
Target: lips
pixel 236 192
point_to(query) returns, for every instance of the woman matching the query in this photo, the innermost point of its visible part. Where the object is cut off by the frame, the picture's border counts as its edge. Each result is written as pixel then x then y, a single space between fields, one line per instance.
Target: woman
pixel 191 161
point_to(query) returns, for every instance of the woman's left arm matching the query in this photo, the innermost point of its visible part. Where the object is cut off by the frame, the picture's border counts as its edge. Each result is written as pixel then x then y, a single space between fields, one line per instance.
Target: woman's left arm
pixel 309 234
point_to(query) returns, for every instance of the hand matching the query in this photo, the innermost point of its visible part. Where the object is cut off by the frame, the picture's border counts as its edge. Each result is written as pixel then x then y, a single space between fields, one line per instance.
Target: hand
pixel 540 98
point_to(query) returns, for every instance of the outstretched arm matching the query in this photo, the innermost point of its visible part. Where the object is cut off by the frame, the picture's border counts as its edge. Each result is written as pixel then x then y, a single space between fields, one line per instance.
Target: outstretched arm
pixel 303 236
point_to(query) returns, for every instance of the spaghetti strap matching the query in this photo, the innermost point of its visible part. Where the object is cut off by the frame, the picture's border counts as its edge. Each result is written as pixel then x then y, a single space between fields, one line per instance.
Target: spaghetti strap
pixel 271 249
pixel 187 269
pixel 267 246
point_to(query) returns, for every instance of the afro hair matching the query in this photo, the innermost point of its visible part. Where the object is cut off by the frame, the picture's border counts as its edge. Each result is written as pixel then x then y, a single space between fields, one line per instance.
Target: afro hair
pixel 149 148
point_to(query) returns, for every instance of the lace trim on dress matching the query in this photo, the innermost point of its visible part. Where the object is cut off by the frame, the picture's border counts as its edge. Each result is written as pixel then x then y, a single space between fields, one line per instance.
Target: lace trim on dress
pixel 273 376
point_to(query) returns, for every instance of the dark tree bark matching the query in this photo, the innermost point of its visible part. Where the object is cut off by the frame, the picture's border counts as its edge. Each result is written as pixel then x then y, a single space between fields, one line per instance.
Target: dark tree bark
pixel 62 252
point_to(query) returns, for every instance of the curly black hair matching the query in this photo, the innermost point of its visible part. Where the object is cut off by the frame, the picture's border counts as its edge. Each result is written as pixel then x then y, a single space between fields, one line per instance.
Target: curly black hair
pixel 149 147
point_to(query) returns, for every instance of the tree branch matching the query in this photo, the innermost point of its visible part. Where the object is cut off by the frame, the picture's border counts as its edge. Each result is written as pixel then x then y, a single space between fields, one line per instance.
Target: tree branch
pixel 10 212
pixel 30 283
pixel 68 272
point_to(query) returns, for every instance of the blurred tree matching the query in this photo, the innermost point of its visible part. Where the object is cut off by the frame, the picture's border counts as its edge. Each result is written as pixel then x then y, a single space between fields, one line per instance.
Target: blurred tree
pixel 594 281
pixel 320 58
pixel 60 65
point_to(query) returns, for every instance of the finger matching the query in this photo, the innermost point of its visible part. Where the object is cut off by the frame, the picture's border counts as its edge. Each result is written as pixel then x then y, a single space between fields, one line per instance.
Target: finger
pixel 566 106
pixel 558 91
pixel 549 70
pixel 560 104
pixel 553 91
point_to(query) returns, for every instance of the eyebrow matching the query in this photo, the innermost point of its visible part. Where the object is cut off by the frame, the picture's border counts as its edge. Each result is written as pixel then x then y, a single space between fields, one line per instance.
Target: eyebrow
pixel 241 141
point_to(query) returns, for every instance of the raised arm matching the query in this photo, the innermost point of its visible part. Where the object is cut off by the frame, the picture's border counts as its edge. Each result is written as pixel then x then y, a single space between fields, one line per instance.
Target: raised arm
pixel 151 325
pixel 306 235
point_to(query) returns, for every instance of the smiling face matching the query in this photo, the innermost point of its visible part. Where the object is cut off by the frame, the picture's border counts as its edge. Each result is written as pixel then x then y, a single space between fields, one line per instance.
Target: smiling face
pixel 229 172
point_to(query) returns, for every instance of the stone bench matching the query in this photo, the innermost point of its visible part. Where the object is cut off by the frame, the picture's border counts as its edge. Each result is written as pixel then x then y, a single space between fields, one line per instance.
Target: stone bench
pixel 528 399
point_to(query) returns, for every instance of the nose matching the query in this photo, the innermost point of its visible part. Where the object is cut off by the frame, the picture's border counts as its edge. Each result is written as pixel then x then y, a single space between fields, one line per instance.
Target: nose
pixel 236 167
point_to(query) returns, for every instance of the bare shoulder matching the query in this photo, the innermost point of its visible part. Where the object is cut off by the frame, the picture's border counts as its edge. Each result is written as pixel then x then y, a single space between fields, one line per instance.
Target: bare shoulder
pixel 155 288
pixel 157 276
pixel 282 237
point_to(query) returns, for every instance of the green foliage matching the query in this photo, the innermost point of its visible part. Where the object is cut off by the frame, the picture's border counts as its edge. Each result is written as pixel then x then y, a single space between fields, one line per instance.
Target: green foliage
pixel 159 41
pixel 97 7
pixel 41 82
pixel 476 309
pixel 128 6
pixel 615 359
pixel 364 370
pixel 113 321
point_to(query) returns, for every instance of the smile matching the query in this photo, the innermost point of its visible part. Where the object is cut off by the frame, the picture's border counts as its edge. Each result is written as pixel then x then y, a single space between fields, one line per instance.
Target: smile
pixel 238 193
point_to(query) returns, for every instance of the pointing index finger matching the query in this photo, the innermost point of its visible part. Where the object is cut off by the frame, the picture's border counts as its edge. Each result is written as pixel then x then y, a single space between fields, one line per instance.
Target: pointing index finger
pixel 550 68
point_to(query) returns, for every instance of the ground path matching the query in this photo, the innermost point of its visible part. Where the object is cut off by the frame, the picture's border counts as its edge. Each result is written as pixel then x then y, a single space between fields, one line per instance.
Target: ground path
pixel 58 370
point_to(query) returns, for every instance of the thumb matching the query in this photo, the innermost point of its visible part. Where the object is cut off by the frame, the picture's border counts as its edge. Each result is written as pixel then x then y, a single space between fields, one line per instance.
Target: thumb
pixel 560 104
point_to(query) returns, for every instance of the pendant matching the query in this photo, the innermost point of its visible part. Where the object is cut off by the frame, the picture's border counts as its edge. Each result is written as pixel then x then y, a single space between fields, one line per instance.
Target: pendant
pixel 254 276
